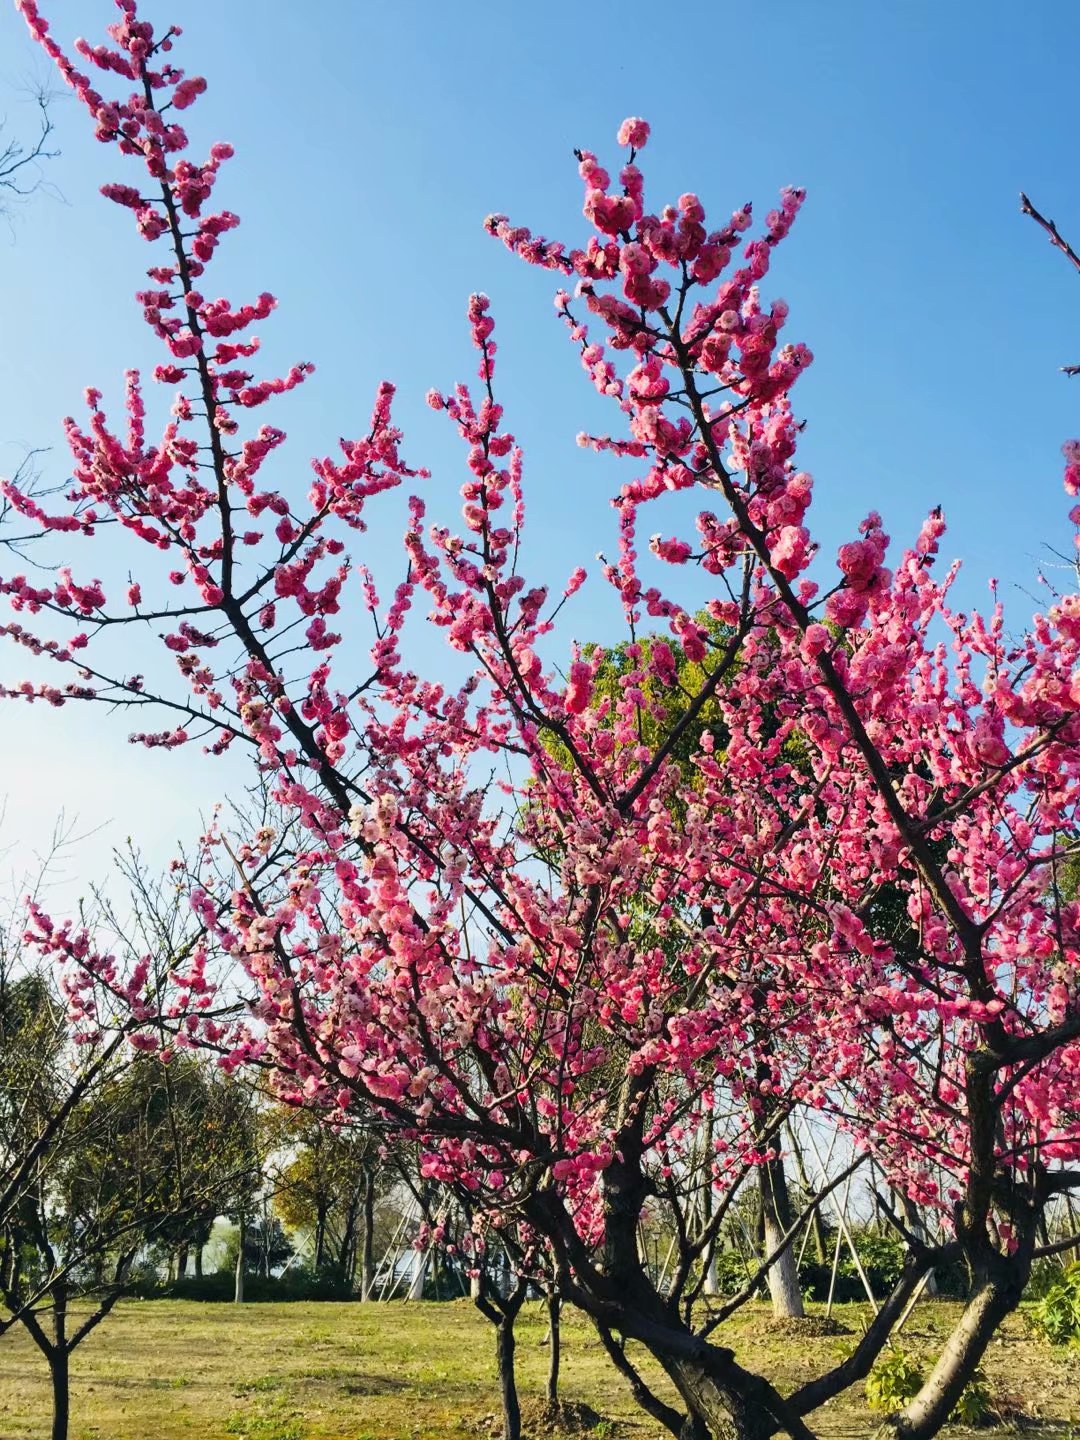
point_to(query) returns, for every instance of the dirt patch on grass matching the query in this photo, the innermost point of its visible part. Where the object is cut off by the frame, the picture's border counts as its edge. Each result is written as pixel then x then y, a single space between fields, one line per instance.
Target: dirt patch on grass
pixel 371 1385
pixel 806 1326
pixel 569 1418
pixel 541 1421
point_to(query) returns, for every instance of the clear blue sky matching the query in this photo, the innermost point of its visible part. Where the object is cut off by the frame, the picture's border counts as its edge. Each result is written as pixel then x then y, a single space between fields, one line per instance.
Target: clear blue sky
pixel 372 140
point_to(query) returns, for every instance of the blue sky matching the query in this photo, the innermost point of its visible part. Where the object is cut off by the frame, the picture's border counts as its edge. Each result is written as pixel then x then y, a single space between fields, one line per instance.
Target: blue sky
pixel 373 139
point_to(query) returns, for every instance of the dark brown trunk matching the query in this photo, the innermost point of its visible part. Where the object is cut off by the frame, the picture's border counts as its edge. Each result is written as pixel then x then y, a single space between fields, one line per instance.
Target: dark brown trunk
pixel 502 1311
pixel 724 1409
pixel 504 1349
pixel 694 1428
pixel 670 1418
pixel 730 1401
pixel 554 1308
pixel 59 1358
pixel 998 1279
pixel 714 1389
pixel 320 1237
pixel 198 1262
pixel 346 1262
pixel 61 1392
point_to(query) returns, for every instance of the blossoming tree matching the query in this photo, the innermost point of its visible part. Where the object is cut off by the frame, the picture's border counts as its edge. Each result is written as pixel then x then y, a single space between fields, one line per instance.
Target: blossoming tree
pixel 554 980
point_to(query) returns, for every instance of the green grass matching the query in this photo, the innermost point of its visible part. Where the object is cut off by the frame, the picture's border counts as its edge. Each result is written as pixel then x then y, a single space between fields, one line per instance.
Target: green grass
pixel 179 1370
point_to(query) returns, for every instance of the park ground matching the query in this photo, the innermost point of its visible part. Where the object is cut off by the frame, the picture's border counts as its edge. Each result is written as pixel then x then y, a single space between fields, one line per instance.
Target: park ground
pixel 177 1370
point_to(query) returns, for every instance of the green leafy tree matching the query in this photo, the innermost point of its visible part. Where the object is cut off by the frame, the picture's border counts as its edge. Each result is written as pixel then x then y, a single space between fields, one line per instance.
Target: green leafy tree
pixel 327 1188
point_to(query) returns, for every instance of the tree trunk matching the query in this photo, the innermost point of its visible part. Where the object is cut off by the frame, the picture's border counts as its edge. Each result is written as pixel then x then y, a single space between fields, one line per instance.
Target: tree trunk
pixel 783 1277
pixel 320 1237
pixel 199 1262
pixel 505 1346
pixel 502 1311
pixel 181 1262
pixel 59 1358
pixel 554 1307
pixel 265 1241
pixel 995 1296
pixel 731 1402
pixel 694 1428
pixel 711 1284
pixel 416 1285
pixel 367 1263
pixel 61 1391
pixel 776 1212
pixel 671 1419
pixel 716 1409
pixel 346 1262
pixel 238 1293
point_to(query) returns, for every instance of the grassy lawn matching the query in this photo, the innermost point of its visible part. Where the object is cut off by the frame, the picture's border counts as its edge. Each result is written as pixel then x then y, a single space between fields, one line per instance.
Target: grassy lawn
pixel 175 1370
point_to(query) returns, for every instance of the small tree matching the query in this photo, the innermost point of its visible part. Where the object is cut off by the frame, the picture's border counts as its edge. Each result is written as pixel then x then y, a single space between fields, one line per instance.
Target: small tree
pixel 111 1141
pixel 502 1306
pixel 132 1163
